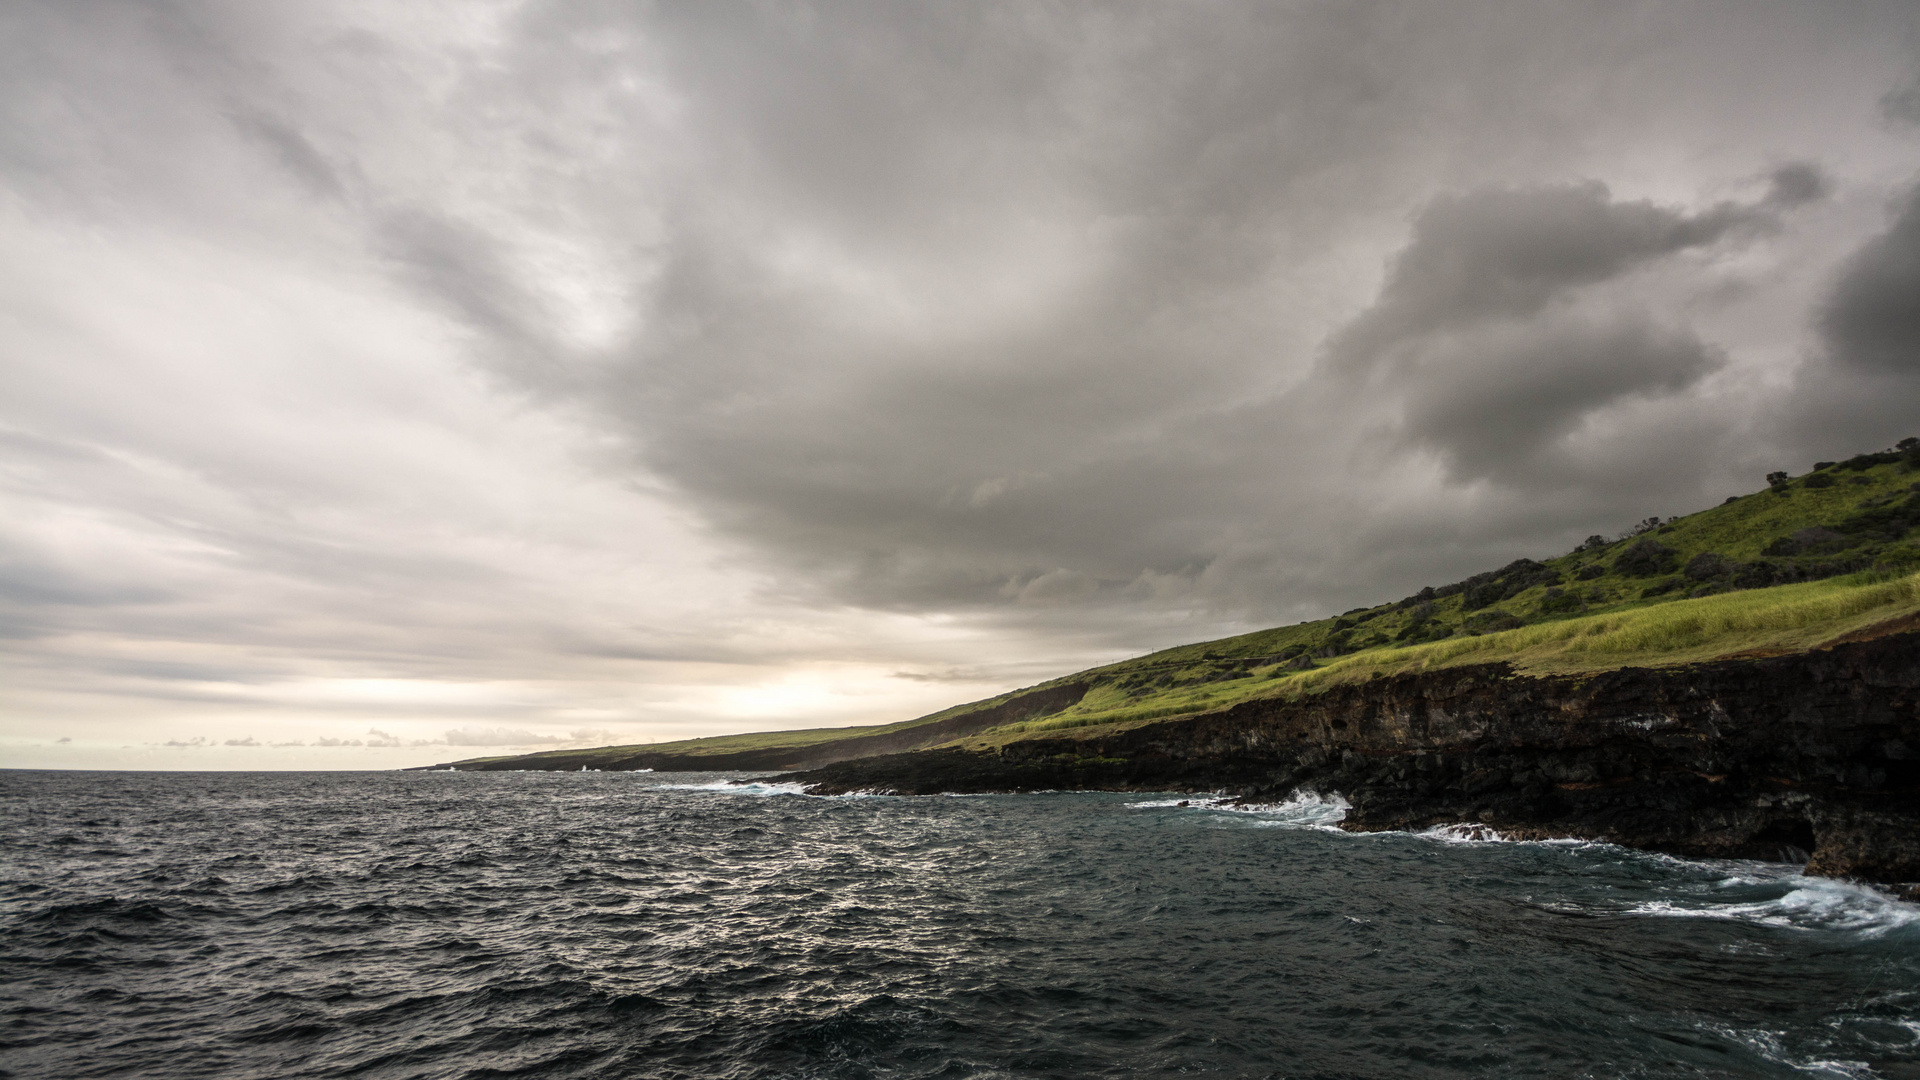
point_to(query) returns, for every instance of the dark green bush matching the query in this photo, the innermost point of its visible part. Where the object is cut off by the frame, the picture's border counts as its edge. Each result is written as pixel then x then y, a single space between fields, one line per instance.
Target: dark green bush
pixel 1661 588
pixel 1707 565
pixel 1563 601
pixel 1487 622
pixel 1885 523
pixel 1863 462
pixel 1646 558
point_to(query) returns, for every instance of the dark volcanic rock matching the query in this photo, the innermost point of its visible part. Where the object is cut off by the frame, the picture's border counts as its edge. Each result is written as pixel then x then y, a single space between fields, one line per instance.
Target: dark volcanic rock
pixel 1814 754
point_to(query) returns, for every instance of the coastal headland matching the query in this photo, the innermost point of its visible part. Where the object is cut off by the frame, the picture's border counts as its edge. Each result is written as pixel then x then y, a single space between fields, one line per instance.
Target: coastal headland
pixel 1740 682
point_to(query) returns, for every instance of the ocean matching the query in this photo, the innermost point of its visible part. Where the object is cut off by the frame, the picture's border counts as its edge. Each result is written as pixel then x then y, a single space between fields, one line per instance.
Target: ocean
pixel 427 925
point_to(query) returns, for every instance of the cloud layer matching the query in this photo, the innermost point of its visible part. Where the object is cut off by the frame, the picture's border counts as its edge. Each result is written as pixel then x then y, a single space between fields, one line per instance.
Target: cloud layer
pixel 528 369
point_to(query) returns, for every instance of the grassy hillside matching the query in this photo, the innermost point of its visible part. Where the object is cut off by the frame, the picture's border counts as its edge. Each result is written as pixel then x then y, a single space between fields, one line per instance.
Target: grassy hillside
pixel 1805 562
pixel 721 745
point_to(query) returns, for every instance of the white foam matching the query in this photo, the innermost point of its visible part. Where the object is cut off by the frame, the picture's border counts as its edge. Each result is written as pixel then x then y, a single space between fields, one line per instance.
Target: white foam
pixel 1464 833
pixel 731 787
pixel 1302 810
pixel 1767 1045
pixel 1809 903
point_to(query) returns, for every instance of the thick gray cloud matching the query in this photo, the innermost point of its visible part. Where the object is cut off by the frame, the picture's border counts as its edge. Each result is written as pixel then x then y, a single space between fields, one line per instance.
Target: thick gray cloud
pixel 1873 319
pixel 674 368
pixel 1496 334
pixel 1505 254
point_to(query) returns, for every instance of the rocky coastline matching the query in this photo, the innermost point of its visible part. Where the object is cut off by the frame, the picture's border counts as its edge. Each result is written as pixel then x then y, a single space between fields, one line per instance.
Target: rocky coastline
pixel 1813 756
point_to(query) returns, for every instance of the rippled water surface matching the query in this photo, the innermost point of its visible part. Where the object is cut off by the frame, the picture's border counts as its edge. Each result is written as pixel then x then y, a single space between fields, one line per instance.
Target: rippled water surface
pixel 615 925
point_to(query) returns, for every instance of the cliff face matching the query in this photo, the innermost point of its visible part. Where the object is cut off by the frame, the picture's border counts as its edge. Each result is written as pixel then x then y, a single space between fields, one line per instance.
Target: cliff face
pixel 1814 754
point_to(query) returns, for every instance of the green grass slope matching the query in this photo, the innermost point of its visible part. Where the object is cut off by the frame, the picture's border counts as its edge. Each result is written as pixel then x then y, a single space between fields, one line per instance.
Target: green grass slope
pixel 722 745
pixel 1808 561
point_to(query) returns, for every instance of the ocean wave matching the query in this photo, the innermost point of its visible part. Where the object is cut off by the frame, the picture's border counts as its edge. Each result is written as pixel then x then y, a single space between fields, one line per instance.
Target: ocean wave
pixel 1302 809
pixel 1798 903
pixel 738 787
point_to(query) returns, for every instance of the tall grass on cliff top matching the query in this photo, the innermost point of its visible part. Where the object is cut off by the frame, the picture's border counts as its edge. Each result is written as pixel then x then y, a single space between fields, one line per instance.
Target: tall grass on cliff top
pixel 1780 619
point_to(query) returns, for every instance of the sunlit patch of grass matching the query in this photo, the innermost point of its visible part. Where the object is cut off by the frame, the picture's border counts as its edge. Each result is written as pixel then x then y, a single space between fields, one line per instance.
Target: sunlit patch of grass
pixel 1781 619
pixel 1786 618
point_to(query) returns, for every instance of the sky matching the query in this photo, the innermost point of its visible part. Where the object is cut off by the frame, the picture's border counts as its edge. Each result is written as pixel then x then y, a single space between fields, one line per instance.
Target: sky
pixel 388 383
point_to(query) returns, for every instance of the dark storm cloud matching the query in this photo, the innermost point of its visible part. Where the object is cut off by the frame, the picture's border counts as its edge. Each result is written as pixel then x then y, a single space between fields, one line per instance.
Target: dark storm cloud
pixel 1480 332
pixel 1872 321
pixel 1491 402
pixel 462 268
pixel 294 152
pixel 1796 184
pixel 1504 254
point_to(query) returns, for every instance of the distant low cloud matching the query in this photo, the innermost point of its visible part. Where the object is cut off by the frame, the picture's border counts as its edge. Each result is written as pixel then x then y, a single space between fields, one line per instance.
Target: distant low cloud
pixel 499 737
pixel 248 741
pixel 944 675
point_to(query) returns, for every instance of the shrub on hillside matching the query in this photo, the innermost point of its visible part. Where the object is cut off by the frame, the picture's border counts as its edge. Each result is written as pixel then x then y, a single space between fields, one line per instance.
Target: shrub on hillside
pixel 1480 596
pixel 1818 480
pixel 1898 560
pixel 1424 596
pixel 1563 601
pixel 1431 630
pixel 1488 622
pixel 1482 590
pixel 1885 522
pixel 1706 566
pixel 1647 558
pixel 1590 571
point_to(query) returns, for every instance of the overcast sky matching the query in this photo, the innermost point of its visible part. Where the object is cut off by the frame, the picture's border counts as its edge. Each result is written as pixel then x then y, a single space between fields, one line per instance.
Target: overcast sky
pixel 382 383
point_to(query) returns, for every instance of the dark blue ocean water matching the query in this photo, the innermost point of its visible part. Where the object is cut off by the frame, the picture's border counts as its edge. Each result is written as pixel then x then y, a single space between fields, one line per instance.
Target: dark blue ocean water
pixel 622 925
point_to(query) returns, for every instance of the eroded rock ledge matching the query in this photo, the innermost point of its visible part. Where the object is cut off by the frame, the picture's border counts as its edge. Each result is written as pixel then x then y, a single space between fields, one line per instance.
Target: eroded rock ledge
pixel 1815 754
